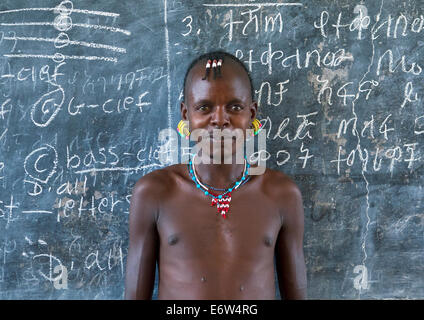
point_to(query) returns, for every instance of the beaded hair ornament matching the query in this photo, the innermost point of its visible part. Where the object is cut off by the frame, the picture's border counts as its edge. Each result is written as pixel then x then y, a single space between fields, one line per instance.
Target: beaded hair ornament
pixel 215 65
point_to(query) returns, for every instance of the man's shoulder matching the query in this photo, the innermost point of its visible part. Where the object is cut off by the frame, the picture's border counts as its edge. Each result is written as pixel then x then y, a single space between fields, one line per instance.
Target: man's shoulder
pixel 279 185
pixel 158 183
pixel 284 192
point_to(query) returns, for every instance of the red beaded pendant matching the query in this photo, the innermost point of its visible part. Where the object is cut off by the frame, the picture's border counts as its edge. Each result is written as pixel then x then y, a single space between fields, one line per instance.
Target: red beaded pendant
pixel 223 204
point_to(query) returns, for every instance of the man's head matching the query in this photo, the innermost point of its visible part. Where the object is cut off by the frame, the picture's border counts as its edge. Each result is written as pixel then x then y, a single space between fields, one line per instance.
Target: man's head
pixel 216 55
pixel 218 98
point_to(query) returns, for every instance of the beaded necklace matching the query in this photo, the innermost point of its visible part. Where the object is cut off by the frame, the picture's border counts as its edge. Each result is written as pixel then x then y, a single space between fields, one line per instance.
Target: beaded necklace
pixel 222 201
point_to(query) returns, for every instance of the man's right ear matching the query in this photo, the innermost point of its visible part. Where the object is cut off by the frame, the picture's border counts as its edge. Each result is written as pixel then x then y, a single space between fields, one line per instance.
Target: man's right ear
pixel 184 111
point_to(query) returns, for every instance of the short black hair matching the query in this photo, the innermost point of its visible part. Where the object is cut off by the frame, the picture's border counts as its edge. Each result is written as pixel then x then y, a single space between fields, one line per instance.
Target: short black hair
pixel 216 55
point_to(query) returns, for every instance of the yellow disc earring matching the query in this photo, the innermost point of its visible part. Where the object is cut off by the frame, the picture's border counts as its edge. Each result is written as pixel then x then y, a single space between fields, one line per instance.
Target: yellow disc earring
pixel 182 129
pixel 257 126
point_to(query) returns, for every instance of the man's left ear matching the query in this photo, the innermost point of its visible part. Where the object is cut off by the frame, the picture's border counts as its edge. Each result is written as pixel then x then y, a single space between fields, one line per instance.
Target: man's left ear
pixel 253 110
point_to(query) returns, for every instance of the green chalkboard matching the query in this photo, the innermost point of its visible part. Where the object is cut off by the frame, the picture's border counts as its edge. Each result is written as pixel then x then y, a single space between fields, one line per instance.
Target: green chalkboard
pixel 86 87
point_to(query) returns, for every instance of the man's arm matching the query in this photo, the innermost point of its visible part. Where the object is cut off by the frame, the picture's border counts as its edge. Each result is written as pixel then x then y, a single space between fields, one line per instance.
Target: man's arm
pixel 290 262
pixel 143 242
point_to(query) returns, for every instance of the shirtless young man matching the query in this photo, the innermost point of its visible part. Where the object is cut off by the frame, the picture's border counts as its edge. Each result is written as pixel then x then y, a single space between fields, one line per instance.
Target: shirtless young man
pixel 200 254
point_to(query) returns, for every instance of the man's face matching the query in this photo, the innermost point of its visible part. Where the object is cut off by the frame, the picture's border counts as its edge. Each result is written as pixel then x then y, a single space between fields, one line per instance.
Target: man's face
pixel 221 103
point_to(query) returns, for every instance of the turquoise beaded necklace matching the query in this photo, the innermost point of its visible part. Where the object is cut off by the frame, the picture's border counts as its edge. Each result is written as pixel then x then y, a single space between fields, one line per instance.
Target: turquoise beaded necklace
pixel 222 201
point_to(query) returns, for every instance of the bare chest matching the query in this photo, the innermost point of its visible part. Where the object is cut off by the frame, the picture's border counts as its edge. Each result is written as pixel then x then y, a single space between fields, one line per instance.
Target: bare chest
pixel 190 226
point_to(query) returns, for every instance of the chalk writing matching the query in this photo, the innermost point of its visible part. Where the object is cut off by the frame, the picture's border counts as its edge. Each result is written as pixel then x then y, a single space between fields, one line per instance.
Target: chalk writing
pixel 90 97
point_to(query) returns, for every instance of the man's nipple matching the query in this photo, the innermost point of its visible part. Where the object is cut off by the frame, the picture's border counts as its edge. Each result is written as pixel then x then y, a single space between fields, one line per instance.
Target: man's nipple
pixel 267 241
pixel 172 239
